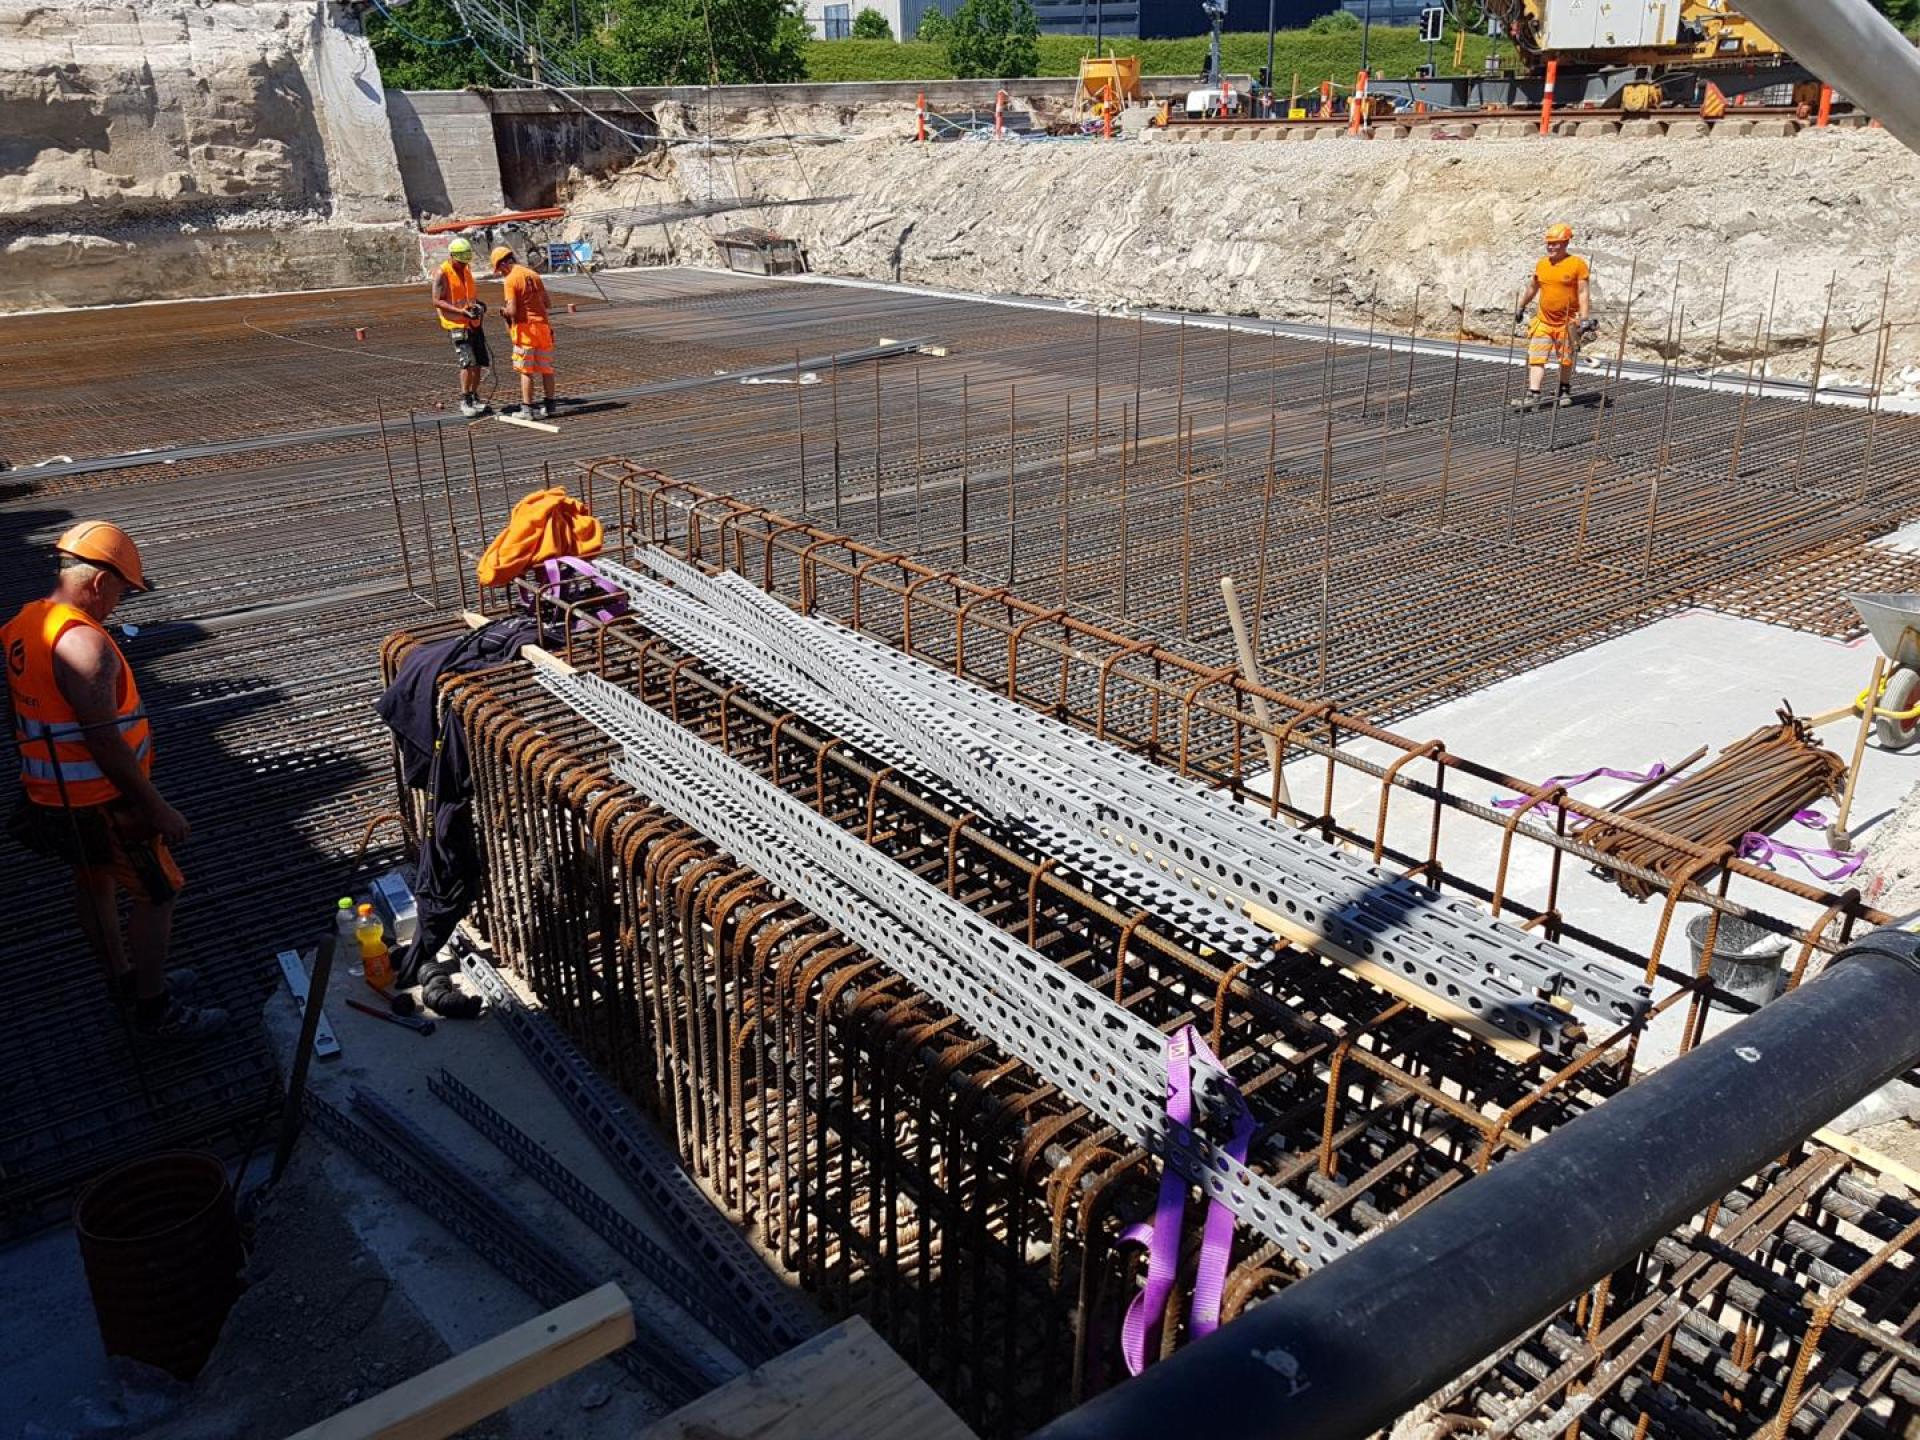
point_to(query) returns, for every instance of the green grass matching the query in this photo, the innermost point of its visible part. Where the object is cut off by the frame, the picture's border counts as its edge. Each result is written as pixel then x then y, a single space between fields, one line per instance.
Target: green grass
pixel 1394 52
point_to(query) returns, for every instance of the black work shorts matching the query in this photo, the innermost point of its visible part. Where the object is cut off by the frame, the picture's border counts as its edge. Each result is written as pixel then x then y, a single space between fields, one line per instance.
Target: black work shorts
pixel 470 348
pixel 106 839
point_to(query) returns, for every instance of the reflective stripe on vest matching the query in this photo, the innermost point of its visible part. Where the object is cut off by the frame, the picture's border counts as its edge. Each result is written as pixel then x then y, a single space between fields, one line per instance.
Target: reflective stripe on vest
pixel 460 291
pixel 56 767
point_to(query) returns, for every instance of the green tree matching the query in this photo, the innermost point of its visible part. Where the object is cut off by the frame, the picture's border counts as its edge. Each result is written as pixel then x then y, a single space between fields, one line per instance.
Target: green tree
pixel 1905 14
pixel 935 26
pixel 425 47
pixel 1333 24
pixel 994 39
pixel 870 24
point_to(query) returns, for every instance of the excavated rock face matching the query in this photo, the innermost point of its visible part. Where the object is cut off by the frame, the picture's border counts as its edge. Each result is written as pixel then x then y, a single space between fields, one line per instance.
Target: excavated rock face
pixel 1403 230
pixel 180 147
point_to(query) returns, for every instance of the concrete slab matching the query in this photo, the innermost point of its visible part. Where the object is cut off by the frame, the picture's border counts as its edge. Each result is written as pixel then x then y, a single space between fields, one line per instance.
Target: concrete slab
pixel 1699 678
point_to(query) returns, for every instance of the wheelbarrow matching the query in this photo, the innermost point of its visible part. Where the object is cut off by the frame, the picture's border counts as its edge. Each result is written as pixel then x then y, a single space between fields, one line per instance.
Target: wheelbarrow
pixel 1894 622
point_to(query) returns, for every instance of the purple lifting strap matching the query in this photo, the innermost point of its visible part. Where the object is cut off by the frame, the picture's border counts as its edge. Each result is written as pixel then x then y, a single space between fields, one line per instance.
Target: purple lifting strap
pixel 1567 782
pixel 563 569
pixel 1755 846
pixel 1162 1238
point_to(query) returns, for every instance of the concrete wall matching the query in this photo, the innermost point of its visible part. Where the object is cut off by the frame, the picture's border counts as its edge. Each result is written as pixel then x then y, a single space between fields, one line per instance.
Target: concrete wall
pixel 538 149
pixel 449 161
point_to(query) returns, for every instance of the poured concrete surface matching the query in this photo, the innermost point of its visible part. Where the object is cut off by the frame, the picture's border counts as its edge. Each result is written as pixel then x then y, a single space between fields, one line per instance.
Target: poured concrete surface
pixel 1697 678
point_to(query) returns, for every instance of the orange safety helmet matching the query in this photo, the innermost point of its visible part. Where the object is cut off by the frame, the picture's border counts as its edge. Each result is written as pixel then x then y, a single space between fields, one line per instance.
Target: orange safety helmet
pixel 1560 234
pixel 500 252
pixel 101 542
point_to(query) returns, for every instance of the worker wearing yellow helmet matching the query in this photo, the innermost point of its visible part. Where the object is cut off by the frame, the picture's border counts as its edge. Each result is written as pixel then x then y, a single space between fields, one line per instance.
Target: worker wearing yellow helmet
pixel 457 302
pixel 87 797
pixel 1562 321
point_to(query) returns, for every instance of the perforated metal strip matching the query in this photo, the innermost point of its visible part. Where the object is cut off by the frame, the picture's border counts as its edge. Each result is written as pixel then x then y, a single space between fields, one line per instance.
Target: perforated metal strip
pixel 1096 1052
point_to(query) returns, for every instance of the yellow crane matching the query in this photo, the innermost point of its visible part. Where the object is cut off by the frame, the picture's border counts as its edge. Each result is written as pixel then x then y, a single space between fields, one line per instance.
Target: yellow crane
pixel 1632 32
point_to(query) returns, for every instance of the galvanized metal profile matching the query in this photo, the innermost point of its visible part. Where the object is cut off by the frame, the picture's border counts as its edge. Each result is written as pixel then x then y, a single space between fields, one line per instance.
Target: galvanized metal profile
pixel 760 1301
pixel 744 656
pixel 1023 764
pixel 408 1159
pixel 1097 1052
pixel 634 1245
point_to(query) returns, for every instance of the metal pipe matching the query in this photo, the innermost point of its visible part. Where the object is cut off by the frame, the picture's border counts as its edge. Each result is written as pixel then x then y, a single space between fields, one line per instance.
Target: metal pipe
pixel 1357 1343
pixel 1850 45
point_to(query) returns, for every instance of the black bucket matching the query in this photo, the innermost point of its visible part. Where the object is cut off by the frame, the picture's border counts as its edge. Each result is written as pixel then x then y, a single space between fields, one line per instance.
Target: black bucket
pixel 162 1252
pixel 1756 978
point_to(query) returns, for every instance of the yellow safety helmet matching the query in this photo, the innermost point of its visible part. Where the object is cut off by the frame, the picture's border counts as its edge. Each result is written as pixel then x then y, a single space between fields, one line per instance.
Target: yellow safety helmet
pixel 1560 234
pixel 460 248
pixel 501 252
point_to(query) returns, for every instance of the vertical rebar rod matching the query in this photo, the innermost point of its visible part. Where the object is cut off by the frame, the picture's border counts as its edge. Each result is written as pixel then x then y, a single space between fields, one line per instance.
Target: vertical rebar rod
pixel 1179 386
pixel 1813 383
pixel 1266 540
pixel 1665 450
pixel 1600 419
pixel 1096 387
pixel 1123 517
pixel 919 503
pixel 1713 354
pixel 473 473
pixel 1226 411
pixel 1186 544
pixel 1066 496
pixel 835 398
pixel 1762 345
pixel 966 476
pixel 1013 429
pixel 1453 408
pixel 426 515
pixel 879 511
pixel 1326 555
pixel 1883 342
pixel 453 529
pixel 1413 346
pixel 800 428
pixel 1139 344
pixel 393 490
pixel 1366 380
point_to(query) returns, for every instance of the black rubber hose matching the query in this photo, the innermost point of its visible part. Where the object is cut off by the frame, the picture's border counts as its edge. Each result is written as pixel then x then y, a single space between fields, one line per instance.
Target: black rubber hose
pixel 1345 1351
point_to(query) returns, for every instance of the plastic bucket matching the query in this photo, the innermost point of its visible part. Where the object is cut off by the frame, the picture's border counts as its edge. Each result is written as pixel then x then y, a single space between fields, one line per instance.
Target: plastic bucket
pixel 162 1253
pixel 1756 978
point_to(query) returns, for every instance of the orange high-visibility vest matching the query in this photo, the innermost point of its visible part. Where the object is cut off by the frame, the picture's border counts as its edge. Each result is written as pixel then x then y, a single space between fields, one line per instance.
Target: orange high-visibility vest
pixel 460 292
pixel 56 768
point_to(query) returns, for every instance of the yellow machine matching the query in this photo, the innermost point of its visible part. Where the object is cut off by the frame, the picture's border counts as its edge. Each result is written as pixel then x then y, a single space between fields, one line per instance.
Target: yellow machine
pixel 1098 72
pixel 1631 32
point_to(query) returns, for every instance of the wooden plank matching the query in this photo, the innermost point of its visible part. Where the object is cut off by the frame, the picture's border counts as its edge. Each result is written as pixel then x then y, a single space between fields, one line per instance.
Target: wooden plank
pixel 528 424
pixel 1880 1164
pixel 1395 984
pixel 845 1383
pixel 491 1376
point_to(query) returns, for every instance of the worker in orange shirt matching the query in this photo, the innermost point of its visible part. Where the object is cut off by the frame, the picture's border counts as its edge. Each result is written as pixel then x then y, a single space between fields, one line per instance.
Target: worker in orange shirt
pixel 1563 320
pixel 525 309
pixel 87 797
pixel 460 311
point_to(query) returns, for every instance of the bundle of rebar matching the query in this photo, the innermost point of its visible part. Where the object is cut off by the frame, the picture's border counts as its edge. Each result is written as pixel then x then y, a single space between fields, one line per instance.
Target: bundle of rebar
pixel 1756 785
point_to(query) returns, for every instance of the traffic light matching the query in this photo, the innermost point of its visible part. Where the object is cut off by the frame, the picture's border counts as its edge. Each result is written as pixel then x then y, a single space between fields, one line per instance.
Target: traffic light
pixel 1431 20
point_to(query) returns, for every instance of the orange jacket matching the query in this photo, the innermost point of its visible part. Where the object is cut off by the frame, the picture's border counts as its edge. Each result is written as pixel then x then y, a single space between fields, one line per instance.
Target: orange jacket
pixel 56 768
pixel 543 525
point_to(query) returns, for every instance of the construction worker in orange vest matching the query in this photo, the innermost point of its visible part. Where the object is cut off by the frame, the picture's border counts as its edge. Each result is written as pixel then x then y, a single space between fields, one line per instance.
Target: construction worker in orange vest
pixel 525 309
pixel 460 309
pixel 86 754
pixel 1563 320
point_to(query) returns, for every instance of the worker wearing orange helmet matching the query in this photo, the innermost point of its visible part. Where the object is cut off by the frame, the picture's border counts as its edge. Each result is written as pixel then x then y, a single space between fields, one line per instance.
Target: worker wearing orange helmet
pixel 1563 320
pixel 525 309
pixel 86 757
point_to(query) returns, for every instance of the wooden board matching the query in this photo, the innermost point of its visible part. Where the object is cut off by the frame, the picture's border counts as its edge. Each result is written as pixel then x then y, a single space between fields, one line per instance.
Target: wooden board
pixel 1396 985
pixel 491 1376
pixel 843 1384
pixel 1883 1165
pixel 528 424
